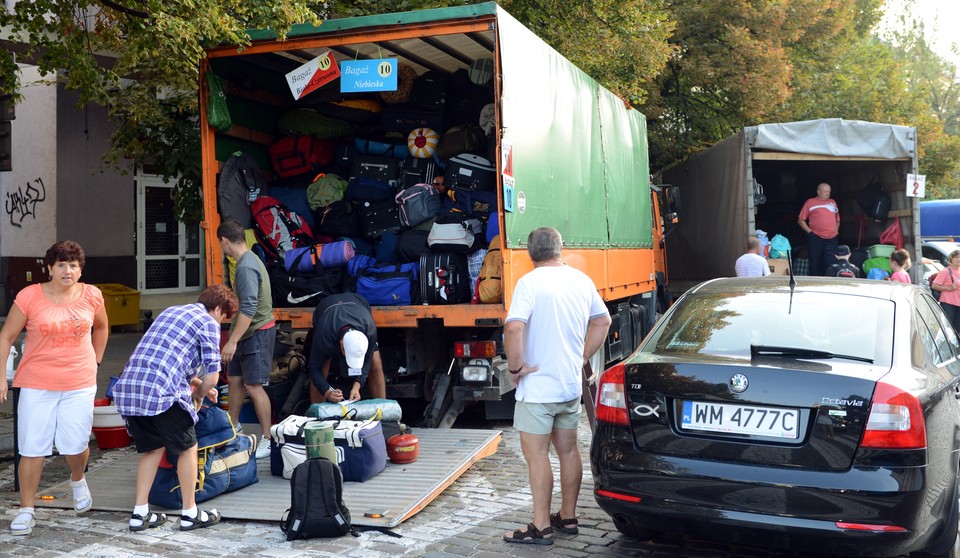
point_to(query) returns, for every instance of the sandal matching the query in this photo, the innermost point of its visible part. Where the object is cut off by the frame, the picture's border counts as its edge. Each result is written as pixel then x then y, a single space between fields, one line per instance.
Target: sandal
pixel 22 524
pixel 85 501
pixel 531 535
pixel 568 526
pixel 149 522
pixel 188 523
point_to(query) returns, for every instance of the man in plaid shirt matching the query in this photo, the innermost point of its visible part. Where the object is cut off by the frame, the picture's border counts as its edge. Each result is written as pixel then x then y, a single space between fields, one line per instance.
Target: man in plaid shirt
pixel 175 364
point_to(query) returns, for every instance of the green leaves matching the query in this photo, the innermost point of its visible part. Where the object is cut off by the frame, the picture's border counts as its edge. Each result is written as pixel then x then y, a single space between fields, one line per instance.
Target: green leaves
pixel 699 70
pixel 141 60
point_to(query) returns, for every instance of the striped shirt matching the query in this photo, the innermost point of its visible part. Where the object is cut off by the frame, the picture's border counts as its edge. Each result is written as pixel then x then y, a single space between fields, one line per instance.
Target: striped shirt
pixel 183 342
pixel 751 265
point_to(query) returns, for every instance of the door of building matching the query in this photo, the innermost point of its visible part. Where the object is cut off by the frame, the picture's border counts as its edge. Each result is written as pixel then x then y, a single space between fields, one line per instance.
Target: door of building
pixel 169 253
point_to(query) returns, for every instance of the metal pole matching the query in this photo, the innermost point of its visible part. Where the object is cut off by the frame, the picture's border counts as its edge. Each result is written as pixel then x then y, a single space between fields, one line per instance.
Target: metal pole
pixel 16 445
pixel 588 396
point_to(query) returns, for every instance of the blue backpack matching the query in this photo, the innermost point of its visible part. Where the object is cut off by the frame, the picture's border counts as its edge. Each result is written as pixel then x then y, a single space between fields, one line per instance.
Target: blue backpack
pixel 878 274
pixel 779 247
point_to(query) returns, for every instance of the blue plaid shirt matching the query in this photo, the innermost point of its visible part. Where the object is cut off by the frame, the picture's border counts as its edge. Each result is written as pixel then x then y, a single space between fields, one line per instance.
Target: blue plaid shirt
pixel 183 342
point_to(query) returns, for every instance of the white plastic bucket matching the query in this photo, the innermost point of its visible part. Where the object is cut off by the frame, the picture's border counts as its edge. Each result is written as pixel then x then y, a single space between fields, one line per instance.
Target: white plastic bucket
pixel 107 417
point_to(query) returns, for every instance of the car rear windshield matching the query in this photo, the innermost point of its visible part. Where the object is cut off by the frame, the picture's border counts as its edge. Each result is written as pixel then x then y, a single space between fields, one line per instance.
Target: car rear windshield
pixel 727 325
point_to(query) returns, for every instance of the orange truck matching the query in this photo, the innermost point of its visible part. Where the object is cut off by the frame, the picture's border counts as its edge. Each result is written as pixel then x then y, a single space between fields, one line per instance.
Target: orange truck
pixel 569 154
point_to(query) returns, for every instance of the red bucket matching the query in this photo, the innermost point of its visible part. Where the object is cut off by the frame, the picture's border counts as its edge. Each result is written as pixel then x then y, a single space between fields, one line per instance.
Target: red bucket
pixel 112 437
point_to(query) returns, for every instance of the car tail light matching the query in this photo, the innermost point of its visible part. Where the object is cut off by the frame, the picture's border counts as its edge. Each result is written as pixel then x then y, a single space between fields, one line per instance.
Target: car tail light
pixel 895 421
pixel 869 527
pixel 618 496
pixel 475 349
pixel 611 397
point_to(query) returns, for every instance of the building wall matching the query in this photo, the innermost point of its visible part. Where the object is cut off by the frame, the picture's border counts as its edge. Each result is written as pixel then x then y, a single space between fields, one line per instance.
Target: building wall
pixel 96 203
pixel 30 190
pixel 60 190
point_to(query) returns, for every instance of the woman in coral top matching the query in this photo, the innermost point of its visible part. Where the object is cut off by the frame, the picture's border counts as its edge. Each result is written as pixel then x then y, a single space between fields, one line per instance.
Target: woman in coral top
pixel 67 331
pixel 947 282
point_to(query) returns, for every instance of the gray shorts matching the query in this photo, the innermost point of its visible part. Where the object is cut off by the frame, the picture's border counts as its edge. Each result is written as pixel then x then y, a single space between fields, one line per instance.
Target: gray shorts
pixel 543 418
pixel 254 358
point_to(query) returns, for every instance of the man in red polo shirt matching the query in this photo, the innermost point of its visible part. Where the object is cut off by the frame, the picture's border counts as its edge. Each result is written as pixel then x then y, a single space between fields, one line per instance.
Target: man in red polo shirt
pixel 820 219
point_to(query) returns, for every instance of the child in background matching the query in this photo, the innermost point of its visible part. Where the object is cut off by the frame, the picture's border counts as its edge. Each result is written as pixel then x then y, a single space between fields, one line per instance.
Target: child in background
pixel 899 264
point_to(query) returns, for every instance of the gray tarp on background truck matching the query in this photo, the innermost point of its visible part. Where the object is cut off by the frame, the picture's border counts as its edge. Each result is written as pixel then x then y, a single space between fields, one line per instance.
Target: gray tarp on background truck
pixel 788 160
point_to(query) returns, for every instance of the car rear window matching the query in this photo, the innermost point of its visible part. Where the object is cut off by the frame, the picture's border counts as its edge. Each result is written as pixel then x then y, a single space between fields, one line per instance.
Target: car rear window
pixel 718 324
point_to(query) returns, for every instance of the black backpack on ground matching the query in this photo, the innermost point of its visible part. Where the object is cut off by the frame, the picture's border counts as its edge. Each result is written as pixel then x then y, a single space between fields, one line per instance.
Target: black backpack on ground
pixel 316 502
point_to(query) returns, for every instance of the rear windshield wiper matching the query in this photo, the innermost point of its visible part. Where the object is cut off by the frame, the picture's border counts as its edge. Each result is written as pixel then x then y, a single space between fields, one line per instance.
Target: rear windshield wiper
pixel 802 353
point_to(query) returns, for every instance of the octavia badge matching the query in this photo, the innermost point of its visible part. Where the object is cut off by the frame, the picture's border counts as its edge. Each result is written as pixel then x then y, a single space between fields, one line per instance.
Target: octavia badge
pixel 739 383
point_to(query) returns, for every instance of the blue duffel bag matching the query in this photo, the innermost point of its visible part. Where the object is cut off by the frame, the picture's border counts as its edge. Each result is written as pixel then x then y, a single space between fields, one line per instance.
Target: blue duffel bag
pixel 361 449
pixel 385 285
pixel 225 458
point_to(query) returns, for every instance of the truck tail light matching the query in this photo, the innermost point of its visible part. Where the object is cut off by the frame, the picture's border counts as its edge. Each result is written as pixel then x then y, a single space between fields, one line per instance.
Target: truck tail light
pixel 895 420
pixel 475 349
pixel 611 397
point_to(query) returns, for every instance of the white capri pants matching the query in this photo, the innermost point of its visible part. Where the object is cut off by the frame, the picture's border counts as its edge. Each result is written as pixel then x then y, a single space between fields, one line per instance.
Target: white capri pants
pixel 47 418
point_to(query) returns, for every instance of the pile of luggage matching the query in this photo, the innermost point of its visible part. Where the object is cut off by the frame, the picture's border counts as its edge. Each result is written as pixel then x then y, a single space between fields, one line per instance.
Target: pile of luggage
pixel 393 196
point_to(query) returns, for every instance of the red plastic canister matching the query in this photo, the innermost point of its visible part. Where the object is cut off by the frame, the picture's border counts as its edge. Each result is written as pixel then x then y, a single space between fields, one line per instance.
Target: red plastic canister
pixel 403 448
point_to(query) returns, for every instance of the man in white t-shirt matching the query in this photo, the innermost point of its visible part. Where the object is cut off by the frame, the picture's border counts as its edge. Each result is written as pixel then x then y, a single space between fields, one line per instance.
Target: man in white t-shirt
pixel 556 322
pixel 752 264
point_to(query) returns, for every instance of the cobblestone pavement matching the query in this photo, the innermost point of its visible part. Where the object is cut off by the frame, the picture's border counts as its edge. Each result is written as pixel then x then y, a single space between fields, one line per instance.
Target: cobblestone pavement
pixel 468 519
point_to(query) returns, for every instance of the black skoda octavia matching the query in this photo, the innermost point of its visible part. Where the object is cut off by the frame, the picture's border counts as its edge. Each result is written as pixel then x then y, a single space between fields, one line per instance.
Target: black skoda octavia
pixel 818 417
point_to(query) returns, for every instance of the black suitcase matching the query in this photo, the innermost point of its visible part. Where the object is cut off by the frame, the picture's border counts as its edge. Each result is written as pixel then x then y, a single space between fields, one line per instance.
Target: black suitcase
pixel 384 169
pixel 405 117
pixel 470 172
pixel 880 207
pixel 417 171
pixel 377 218
pixel 430 91
pixel 445 279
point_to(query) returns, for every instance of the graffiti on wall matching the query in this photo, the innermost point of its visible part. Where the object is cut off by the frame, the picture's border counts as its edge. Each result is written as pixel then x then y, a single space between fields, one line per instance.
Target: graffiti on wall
pixel 22 203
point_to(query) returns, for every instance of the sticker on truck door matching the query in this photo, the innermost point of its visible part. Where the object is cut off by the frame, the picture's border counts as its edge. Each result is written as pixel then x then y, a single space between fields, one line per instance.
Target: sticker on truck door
pixel 508 190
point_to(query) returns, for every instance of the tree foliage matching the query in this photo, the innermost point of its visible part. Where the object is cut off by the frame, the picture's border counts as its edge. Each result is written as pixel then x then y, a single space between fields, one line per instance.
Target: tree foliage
pixel 734 65
pixel 700 70
pixel 141 61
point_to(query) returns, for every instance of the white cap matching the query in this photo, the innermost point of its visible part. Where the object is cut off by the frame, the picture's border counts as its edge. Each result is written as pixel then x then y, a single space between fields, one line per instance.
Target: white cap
pixel 355 350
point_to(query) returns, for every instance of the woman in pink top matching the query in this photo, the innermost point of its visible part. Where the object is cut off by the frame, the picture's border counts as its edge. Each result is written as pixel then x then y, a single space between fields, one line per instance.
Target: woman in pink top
pixel 67 331
pixel 948 283
pixel 899 264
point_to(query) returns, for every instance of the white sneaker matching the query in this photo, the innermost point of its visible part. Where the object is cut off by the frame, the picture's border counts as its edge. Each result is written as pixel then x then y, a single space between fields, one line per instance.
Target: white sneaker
pixel 263 448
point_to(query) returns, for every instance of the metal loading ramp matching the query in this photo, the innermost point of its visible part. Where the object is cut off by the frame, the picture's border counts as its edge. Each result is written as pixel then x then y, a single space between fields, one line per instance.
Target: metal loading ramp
pixel 399 492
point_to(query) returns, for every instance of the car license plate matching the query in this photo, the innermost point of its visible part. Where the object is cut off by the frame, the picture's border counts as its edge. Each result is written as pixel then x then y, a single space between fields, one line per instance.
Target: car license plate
pixel 740 419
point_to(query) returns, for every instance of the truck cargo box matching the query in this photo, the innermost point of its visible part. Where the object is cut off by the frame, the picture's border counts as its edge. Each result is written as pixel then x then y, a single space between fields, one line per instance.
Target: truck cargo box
pixel 786 161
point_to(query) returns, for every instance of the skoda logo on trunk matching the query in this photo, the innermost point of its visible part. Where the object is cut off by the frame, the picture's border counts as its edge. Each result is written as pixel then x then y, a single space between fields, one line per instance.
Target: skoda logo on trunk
pixel 739 383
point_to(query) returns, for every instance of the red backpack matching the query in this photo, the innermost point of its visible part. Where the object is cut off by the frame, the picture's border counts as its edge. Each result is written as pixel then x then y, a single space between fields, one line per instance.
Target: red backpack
pixel 277 228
